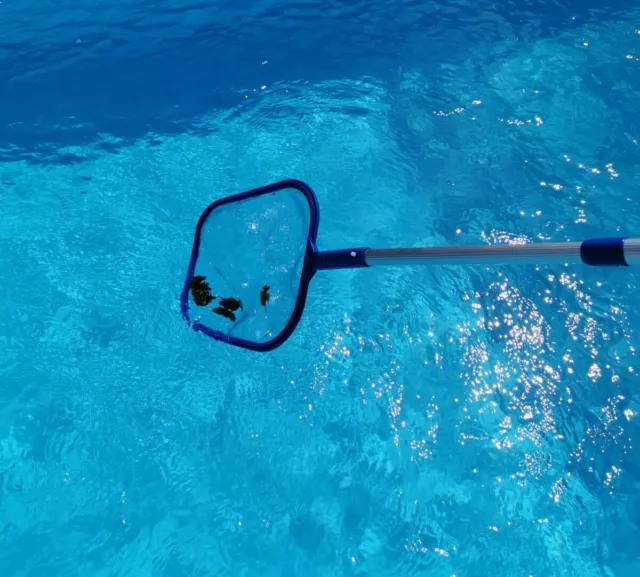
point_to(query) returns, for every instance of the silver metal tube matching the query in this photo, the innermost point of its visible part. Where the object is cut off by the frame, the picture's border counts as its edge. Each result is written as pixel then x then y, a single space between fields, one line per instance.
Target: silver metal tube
pixel 552 252
pixel 631 247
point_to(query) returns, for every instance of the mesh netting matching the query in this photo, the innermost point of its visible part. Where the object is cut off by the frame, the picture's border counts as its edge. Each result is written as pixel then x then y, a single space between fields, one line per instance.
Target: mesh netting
pixel 247 275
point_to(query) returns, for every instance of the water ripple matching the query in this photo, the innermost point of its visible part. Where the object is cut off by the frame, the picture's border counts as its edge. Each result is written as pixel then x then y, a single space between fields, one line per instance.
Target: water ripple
pixel 419 420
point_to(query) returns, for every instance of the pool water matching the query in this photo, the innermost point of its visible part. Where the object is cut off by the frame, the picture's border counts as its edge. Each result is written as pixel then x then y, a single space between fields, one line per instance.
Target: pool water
pixel 451 421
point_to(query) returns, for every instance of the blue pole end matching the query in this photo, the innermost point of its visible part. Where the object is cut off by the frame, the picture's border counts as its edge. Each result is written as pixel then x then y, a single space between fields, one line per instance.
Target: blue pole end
pixel 335 259
pixel 603 252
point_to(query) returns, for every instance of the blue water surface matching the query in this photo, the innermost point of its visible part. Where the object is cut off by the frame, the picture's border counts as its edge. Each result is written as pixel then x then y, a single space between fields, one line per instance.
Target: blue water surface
pixel 465 421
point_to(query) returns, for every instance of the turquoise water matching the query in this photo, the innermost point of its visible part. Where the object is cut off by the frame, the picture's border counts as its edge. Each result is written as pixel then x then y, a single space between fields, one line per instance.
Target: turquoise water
pixel 446 421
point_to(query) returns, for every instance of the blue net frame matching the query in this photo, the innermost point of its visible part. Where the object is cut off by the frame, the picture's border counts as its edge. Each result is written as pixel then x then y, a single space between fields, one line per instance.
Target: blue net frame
pixel 309 267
